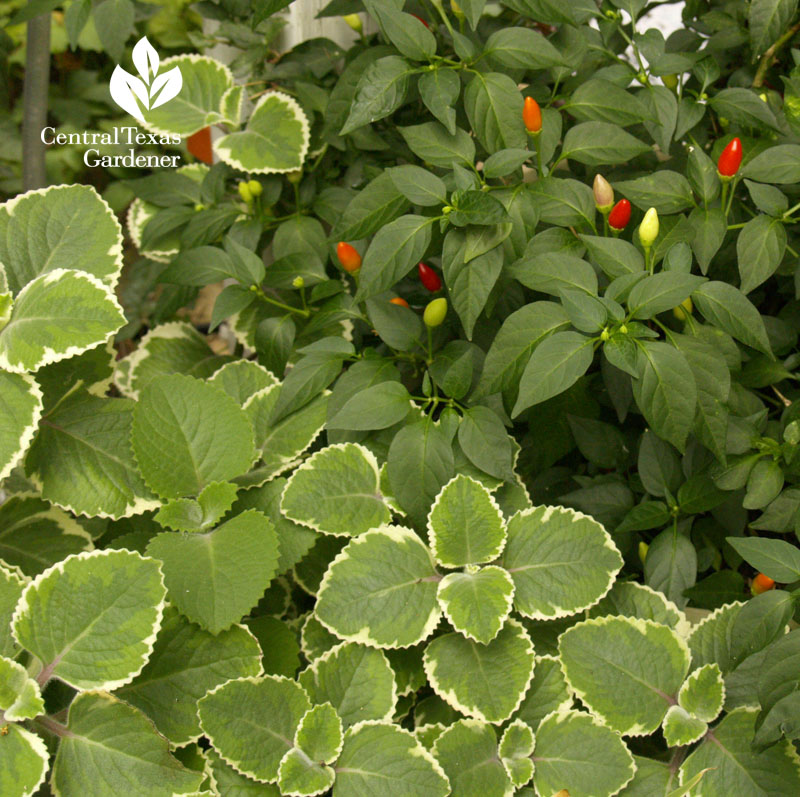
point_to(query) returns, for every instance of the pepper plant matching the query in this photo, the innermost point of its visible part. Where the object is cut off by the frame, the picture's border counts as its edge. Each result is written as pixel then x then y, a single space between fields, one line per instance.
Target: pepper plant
pixel 478 477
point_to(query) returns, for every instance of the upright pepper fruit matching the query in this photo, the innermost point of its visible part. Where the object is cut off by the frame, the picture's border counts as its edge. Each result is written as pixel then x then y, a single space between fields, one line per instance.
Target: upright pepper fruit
pixel 532 116
pixel 620 215
pixel 354 21
pixel 421 20
pixel 256 189
pixel 244 191
pixel 435 312
pixel 761 583
pixel 199 144
pixel 648 229
pixel 348 257
pixel 399 301
pixel 603 194
pixel 730 160
pixel 429 278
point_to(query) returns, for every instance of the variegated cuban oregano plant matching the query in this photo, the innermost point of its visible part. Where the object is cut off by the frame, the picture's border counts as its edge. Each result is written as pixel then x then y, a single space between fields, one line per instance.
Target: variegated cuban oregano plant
pixel 220 575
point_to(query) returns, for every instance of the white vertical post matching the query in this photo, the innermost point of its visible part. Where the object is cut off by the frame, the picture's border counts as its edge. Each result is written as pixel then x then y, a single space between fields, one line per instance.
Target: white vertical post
pixel 303 25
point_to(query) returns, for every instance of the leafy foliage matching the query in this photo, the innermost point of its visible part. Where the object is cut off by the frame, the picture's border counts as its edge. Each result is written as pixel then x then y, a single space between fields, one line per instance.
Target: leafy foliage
pixel 268 527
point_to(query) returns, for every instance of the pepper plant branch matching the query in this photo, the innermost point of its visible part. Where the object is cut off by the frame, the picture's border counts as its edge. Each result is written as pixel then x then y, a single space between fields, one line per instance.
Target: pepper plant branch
pixel 766 59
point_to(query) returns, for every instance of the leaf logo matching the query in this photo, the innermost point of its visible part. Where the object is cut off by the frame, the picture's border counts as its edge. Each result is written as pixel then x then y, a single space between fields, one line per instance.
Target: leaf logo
pixel 150 90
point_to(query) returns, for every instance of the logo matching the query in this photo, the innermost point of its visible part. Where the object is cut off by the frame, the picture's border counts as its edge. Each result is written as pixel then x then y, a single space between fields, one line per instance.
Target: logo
pixel 149 91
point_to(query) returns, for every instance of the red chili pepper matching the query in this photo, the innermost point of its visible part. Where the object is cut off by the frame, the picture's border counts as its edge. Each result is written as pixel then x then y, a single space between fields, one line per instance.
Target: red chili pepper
pixel 399 300
pixel 429 278
pixel 731 159
pixel 421 20
pixel 620 215
pixel 532 115
pixel 348 257
pixel 199 144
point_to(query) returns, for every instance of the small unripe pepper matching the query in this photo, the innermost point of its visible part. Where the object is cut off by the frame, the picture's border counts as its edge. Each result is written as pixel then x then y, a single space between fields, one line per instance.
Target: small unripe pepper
pixel 603 194
pixel 429 278
pixel 435 312
pixel 643 549
pixel 670 81
pixel 348 257
pixel 730 160
pixel 244 191
pixel 620 215
pixel 256 189
pixel 354 21
pixel 684 309
pixel 648 229
pixel 761 583
pixel 298 282
pixel 399 301
pixel 532 116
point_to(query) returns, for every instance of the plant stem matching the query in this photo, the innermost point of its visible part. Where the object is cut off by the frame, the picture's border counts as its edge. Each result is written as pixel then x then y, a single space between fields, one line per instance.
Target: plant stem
pixel 730 197
pixel 539 168
pixel 430 344
pixel 648 264
pixel 766 59
pixel 264 298
pixel 37 79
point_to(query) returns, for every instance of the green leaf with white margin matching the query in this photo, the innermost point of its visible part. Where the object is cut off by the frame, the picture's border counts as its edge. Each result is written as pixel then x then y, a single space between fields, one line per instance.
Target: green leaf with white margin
pixel 200 101
pixel 83 460
pixel 111 597
pixel 242 379
pixel 735 768
pixel 631 599
pixel 626 671
pixel 281 444
pixel 320 734
pixel 275 139
pixel 299 775
pixel 337 491
pixel 315 639
pixel 12 584
pixel 477 604
pixel 703 693
pixel 186 514
pixel 515 750
pixel 561 561
pixel 111 747
pixel 64 226
pixel 58 315
pixel 173 348
pixel 25 763
pixel 356 680
pixel 465 524
pixel 231 783
pixel 35 535
pixel 216 577
pixel 392 605
pixel 186 663
pixel 294 541
pixel 486 682
pixel 548 692
pixel 251 722
pixel 383 760
pixel 681 728
pixel 467 752
pixel 20 697
pixel 187 433
pixel 575 749
pixel 20 412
